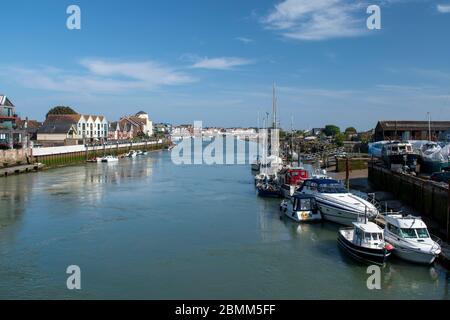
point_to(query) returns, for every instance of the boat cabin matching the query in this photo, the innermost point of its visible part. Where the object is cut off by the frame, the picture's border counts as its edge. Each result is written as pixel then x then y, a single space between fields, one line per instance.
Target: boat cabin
pixel 368 235
pixel 322 186
pixel 304 202
pixel 409 227
pixel 397 148
pixel 293 176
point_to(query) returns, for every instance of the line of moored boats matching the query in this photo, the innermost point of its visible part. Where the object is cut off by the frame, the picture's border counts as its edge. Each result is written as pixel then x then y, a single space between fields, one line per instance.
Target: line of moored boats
pixel 111 158
pixel 314 196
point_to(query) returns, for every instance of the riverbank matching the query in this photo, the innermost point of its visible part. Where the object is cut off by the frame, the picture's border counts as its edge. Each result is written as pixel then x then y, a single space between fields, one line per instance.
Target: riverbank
pixel 56 157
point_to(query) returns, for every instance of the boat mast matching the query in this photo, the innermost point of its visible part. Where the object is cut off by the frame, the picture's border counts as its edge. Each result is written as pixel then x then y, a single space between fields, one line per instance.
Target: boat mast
pixel 429 126
pixel 274 108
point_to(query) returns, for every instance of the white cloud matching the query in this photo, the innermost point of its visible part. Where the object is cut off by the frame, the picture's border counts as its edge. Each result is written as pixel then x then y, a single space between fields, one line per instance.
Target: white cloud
pixel 222 63
pixel 244 40
pixel 99 76
pixel 443 8
pixel 316 20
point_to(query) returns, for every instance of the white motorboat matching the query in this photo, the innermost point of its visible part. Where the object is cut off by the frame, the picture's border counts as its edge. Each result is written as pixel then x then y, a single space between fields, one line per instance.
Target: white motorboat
pixel 109 159
pixel 131 154
pixel 364 241
pixel 336 203
pixel 411 239
pixel 301 208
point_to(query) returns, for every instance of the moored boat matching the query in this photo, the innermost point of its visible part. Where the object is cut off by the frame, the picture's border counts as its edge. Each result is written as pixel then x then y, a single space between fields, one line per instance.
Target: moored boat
pixel 411 239
pixel 364 241
pixel 109 159
pixel 336 203
pixel 301 208
pixel 290 180
pixel 399 153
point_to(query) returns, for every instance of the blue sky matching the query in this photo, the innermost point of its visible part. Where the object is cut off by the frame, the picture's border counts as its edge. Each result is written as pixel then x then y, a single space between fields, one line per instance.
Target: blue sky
pixel 216 60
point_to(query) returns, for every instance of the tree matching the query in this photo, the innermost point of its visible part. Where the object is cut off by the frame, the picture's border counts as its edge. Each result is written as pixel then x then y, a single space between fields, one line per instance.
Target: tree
pixel 331 130
pixel 350 130
pixel 60 110
pixel 339 139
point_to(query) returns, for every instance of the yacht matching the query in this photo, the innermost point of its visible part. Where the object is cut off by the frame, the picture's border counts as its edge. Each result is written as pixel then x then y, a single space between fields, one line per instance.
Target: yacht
pixel 364 241
pixel 399 153
pixel 336 203
pixel 268 188
pixel 301 208
pixel 411 239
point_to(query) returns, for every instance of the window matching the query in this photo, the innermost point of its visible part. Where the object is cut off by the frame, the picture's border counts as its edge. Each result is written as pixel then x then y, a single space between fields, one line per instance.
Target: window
pixel 84 126
pixel 393 229
pixel 408 233
pixel 305 204
pixel 367 236
pixel 422 233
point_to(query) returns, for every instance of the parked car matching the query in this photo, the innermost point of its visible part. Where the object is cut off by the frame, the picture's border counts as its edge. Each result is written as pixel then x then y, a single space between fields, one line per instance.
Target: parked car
pixel 441 176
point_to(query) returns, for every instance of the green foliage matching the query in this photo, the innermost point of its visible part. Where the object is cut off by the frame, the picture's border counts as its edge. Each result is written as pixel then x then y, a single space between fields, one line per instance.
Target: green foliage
pixel 350 130
pixel 60 110
pixel 339 139
pixel 331 130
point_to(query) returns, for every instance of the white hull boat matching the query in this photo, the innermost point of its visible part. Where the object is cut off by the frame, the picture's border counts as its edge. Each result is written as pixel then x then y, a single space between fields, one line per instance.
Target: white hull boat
pixel 411 240
pixel 109 159
pixel 301 208
pixel 336 204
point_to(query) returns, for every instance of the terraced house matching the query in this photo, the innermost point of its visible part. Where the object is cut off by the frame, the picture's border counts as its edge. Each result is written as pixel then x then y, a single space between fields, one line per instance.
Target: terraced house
pixel 73 128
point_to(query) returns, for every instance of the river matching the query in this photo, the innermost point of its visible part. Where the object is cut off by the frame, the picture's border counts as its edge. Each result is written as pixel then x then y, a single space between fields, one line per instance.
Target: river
pixel 146 228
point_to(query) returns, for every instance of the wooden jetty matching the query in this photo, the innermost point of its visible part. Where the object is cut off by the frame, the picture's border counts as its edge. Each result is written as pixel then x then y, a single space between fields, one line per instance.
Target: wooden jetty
pixel 4 172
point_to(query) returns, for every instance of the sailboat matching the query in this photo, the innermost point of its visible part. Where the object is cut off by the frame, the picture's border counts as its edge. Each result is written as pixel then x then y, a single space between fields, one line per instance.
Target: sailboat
pixel 268 185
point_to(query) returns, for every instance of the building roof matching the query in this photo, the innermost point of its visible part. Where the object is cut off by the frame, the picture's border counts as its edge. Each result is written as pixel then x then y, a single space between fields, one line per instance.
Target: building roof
pixel 73 117
pixel 140 113
pixel 5 102
pixel 413 125
pixel 57 127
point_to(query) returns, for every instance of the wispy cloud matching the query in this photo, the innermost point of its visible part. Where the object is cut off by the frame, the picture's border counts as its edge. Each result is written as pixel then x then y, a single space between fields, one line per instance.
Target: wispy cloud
pixel 443 8
pixel 221 63
pixel 98 76
pixel 316 20
pixel 244 40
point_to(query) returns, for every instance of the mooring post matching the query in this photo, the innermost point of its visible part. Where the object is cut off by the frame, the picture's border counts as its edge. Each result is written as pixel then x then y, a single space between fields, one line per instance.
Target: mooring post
pixel 347 173
pixel 448 212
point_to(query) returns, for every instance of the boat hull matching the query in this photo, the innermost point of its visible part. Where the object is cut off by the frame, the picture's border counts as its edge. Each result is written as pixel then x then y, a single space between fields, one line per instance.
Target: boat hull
pixel 414 256
pixel 367 255
pixel 301 216
pixel 268 193
pixel 336 214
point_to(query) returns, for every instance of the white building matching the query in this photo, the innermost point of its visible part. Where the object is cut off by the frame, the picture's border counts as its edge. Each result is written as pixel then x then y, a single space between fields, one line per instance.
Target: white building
pixel 89 127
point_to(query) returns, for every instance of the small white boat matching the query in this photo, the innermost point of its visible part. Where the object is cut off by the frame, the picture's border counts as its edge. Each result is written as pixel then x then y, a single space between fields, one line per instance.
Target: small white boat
pixel 109 159
pixel 411 239
pixel 131 154
pixel 364 241
pixel 301 208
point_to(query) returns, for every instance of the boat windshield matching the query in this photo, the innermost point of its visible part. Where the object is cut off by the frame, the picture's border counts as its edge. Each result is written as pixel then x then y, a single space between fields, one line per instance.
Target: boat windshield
pixel 408 233
pixel 331 188
pixel 423 233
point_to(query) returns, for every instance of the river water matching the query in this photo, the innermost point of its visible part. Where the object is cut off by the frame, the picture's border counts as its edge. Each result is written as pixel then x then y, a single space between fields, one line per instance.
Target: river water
pixel 146 228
